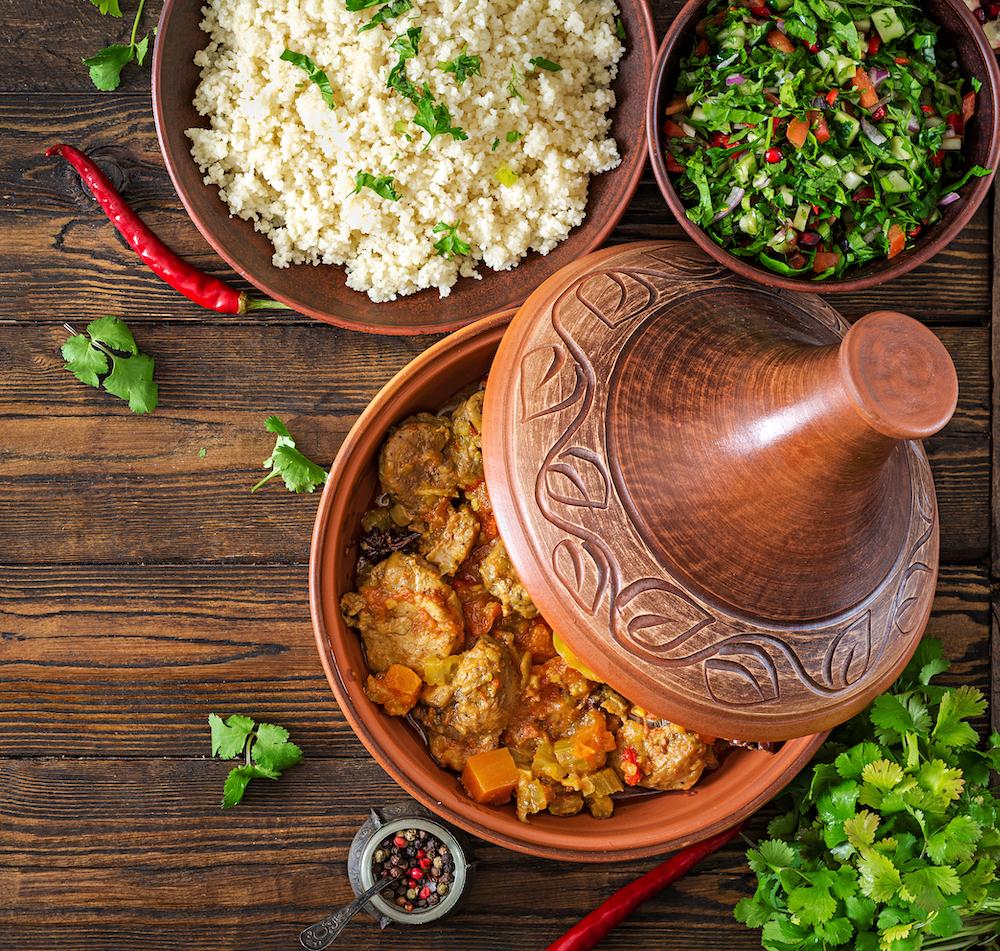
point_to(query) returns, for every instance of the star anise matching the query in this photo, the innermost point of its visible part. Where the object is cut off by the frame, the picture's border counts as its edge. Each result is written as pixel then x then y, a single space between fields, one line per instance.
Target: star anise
pixel 378 543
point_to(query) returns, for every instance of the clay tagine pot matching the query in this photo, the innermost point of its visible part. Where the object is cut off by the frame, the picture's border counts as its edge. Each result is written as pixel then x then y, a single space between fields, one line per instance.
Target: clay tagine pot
pixel 715 493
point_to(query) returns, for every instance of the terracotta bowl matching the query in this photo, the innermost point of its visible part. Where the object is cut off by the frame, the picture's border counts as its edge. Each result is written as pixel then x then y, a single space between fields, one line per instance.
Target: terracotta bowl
pixel 321 291
pixel 643 825
pixel 962 33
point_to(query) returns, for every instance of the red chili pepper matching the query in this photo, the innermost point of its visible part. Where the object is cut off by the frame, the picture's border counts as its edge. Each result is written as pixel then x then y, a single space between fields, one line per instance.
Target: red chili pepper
pixel 630 766
pixel 916 230
pixel 201 288
pixel 902 60
pixel 587 932
pixel 831 96
pixel 874 44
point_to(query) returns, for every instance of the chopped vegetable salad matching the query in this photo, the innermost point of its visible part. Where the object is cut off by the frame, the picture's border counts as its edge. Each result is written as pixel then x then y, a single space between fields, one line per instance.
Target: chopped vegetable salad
pixel 815 135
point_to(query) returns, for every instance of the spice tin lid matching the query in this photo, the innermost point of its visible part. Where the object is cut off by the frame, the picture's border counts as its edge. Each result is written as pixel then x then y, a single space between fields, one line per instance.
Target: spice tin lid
pixel 717 502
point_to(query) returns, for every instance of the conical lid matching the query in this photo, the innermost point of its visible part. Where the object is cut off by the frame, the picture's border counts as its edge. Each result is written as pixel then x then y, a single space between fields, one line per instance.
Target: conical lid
pixel 712 490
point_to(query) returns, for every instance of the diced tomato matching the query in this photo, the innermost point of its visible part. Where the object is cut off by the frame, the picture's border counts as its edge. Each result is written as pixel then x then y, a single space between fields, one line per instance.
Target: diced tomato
pixel 897 240
pixel 968 106
pixel 673 165
pixel 702 49
pixel 902 61
pixel 815 209
pixel 864 195
pixel 797 132
pixel 927 110
pixel 719 140
pixel 937 158
pixel 821 130
pixel 777 40
pixel 954 122
pixel 874 44
pixel 761 11
pixel 679 104
pixel 673 129
pixel 824 260
pixel 831 97
pixel 862 81
pixel 812 47
pixel 916 230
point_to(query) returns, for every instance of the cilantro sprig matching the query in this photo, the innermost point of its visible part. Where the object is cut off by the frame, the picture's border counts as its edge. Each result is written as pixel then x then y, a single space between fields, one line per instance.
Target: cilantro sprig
pixel 540 62
pixel 893 837
pixel 107 355
pixel 388 12
pixel 265 749
pixel 106 65
pixel 451 242
pixel 316 75
pixel 380 184
pixel 462 66
pixel 435 118
pixel 299 472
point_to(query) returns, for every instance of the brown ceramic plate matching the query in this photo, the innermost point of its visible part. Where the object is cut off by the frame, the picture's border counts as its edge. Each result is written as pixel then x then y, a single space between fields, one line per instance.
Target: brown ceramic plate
pixel 961 32
pixel 643 825
pixel 321 291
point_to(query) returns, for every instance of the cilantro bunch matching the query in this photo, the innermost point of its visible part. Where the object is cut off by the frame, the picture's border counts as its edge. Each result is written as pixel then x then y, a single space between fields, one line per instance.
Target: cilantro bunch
pixel 893 836
pixel 298 471
pixel 106 65
pixel 265 748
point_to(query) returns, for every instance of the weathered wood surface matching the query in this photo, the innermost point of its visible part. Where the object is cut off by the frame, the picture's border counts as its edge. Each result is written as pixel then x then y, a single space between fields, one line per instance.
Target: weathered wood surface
pixel 142 586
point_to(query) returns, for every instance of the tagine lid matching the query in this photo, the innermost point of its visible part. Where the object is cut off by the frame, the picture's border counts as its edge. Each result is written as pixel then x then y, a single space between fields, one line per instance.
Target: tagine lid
pixel 714 491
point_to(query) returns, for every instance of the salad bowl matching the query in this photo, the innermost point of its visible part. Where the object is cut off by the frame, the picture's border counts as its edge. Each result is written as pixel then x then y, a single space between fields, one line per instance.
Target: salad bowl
pixel 981 146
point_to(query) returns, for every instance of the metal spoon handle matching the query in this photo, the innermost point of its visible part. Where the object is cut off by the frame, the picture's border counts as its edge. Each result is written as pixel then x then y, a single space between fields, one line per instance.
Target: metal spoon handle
pixel 325 932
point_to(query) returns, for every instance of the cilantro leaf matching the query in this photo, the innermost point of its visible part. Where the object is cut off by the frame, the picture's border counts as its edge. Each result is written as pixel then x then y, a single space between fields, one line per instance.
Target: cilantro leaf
pixel 451 243
pixel 463 66
pixel 514 84
pixel 862 828
pixel 108 7
pixel 540 62
pixel 811 904
pixel 132 380
pixel 851 762
pixel 882 774
pixel 316 75
pixel 513 136
pixel 954 842
pixel 272 749
pixel 237 781
pixel 229 736
pixel 299 473
pixel 354 6
pixel 929 886
pixel 878 878
pixel 435 119
pixel 381 185
pixel 106 66
pixel 83 360
pixel 957 706
pixel 620 29
pixel 389 12
pixel 114 332
pixel 900 714
pixel 141 50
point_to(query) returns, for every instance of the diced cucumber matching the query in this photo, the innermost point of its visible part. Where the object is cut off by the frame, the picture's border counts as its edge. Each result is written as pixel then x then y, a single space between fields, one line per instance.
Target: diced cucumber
pixel 825 58
pixel 894 182
pixel 733 37
pixel 824 230
pixel 699 115
pixel 780 5
pixel 801 218
pixel 863 25
pixel 749 223
pixel 847 126
pixel 900 148
pixel 932 122
pixel 951 143
pixel 744 168
pixel 786 196
pixel 852 180
pixel 826 160
pixel 782 241
pixel 888 24
pixel 844 68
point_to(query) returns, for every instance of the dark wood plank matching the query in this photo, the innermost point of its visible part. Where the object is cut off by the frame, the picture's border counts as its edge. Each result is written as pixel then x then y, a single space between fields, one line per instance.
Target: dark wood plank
pixel 60 250
pixel 129 661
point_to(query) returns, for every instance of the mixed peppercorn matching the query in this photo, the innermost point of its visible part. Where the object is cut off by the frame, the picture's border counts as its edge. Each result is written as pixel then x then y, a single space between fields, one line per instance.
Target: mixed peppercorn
pixel 420 866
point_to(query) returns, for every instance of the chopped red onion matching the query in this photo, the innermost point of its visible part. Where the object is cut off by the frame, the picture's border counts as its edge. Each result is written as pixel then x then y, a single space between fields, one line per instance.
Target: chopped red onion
pixel 878 75
pixel 780 24
pixel 873 134
pixel 948 199
pixel 735 197
pixel 913 126
pixel 737 79
pixel 869 236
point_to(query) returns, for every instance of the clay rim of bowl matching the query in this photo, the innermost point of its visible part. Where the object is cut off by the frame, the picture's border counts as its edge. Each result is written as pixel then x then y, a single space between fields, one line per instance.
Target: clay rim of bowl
pixel 353 310
pixel 674 46
pixel 774 773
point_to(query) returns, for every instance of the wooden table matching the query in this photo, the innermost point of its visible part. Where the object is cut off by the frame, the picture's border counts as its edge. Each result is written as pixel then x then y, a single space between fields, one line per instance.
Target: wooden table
pixel 142 586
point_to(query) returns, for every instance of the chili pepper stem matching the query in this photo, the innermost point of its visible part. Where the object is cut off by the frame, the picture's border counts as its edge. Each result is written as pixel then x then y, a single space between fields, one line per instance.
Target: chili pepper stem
pixel 248 304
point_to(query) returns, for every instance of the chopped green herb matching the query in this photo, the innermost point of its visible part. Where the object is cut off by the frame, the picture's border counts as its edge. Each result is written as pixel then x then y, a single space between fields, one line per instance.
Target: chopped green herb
pixel 106 65
pixel 265 748
pixel 388 12
pixel 513 136
pixel 893 835
pixel 435 118
pixel 87 357
pixel 493 147
pixel 202 452
pixel 540 62
pixel 400 126
pixel 514 85
pixel 381 185
pixel 315 74
pixel 505 175
pixel 976 84
pixel 300 473
pixel 406 45
pixel 462 66
pixel 620 29
pixel 355 6
pixel 450 243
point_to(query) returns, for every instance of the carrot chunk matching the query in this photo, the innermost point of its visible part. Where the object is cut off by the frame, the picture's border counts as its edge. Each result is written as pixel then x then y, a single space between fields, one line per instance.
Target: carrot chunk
pixel 396 688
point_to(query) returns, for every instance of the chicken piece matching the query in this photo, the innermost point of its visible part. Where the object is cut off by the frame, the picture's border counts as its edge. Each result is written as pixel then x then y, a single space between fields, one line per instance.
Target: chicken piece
pixel 551 704
pixel 405 613
pixel 479 498
pixel 484 693
pixel 664 756
pixel 449 537
pixel 466 450
pixel 502 582
pixel 413 466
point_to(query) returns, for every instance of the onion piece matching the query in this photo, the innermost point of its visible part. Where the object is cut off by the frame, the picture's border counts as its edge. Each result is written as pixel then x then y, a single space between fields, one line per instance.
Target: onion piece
pixel 869 236
pixel 871 133
pixel 913 126
pixel 951 143
pixel 735 197
pixel 737 79
pixel 948 199
pixel 878 75
pixel 780 25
